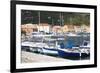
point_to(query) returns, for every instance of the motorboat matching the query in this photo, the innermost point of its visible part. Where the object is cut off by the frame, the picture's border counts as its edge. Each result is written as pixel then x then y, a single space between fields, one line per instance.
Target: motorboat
pixel 39 47
pixel 81 51
pixel 51 49
pixel 33 46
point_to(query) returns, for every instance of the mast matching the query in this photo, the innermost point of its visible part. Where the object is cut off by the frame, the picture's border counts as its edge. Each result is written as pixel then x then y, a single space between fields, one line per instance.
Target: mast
pixel 60 19
pixel 38 19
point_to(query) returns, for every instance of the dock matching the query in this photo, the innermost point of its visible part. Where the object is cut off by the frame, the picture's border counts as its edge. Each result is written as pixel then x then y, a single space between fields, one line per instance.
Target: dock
pixel 30 57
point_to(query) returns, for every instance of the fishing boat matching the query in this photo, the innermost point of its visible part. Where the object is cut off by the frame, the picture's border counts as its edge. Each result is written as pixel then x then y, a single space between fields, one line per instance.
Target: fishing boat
pixel 72 51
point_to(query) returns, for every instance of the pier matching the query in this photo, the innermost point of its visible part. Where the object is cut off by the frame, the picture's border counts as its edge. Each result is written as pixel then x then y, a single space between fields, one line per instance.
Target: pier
pixel 29 57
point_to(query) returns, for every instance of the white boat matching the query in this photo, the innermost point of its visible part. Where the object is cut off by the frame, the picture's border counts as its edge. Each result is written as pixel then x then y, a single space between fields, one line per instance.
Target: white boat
pixel 46 48
pixel 85 47
pixel 72 34
pixel 39 47
pixel 33 46
pixel 50 50
pixel 26 45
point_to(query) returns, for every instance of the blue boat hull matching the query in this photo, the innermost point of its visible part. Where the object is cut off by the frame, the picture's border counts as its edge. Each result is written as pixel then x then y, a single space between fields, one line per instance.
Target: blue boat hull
pixel 64 54
pixel 68 54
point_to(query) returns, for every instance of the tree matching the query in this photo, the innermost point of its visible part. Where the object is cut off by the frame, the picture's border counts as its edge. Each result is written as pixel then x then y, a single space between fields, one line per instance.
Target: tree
pixel 51 17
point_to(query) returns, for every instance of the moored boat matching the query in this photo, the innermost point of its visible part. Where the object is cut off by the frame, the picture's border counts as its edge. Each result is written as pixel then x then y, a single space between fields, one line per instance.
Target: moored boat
pixel 81 51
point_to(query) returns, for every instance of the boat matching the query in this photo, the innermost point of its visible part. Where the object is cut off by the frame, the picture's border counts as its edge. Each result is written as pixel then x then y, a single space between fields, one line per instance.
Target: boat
pixel 51 44
pixel 51 49
pixel 72 51
pixel 72 34
pixel 40 47
pixel 33 46
pixel 27 46
pixel 85 48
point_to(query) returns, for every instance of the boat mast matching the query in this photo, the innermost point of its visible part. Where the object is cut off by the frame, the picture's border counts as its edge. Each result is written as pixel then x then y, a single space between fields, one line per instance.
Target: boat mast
pixel 60 19
pixel 38 18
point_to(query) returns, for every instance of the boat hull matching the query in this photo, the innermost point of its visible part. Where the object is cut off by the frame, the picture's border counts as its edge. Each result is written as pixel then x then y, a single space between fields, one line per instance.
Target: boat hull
pixel 65 54
pixel 50 51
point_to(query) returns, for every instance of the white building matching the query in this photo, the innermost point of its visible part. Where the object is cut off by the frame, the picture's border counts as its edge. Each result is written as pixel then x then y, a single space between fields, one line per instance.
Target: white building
pixel 44 27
